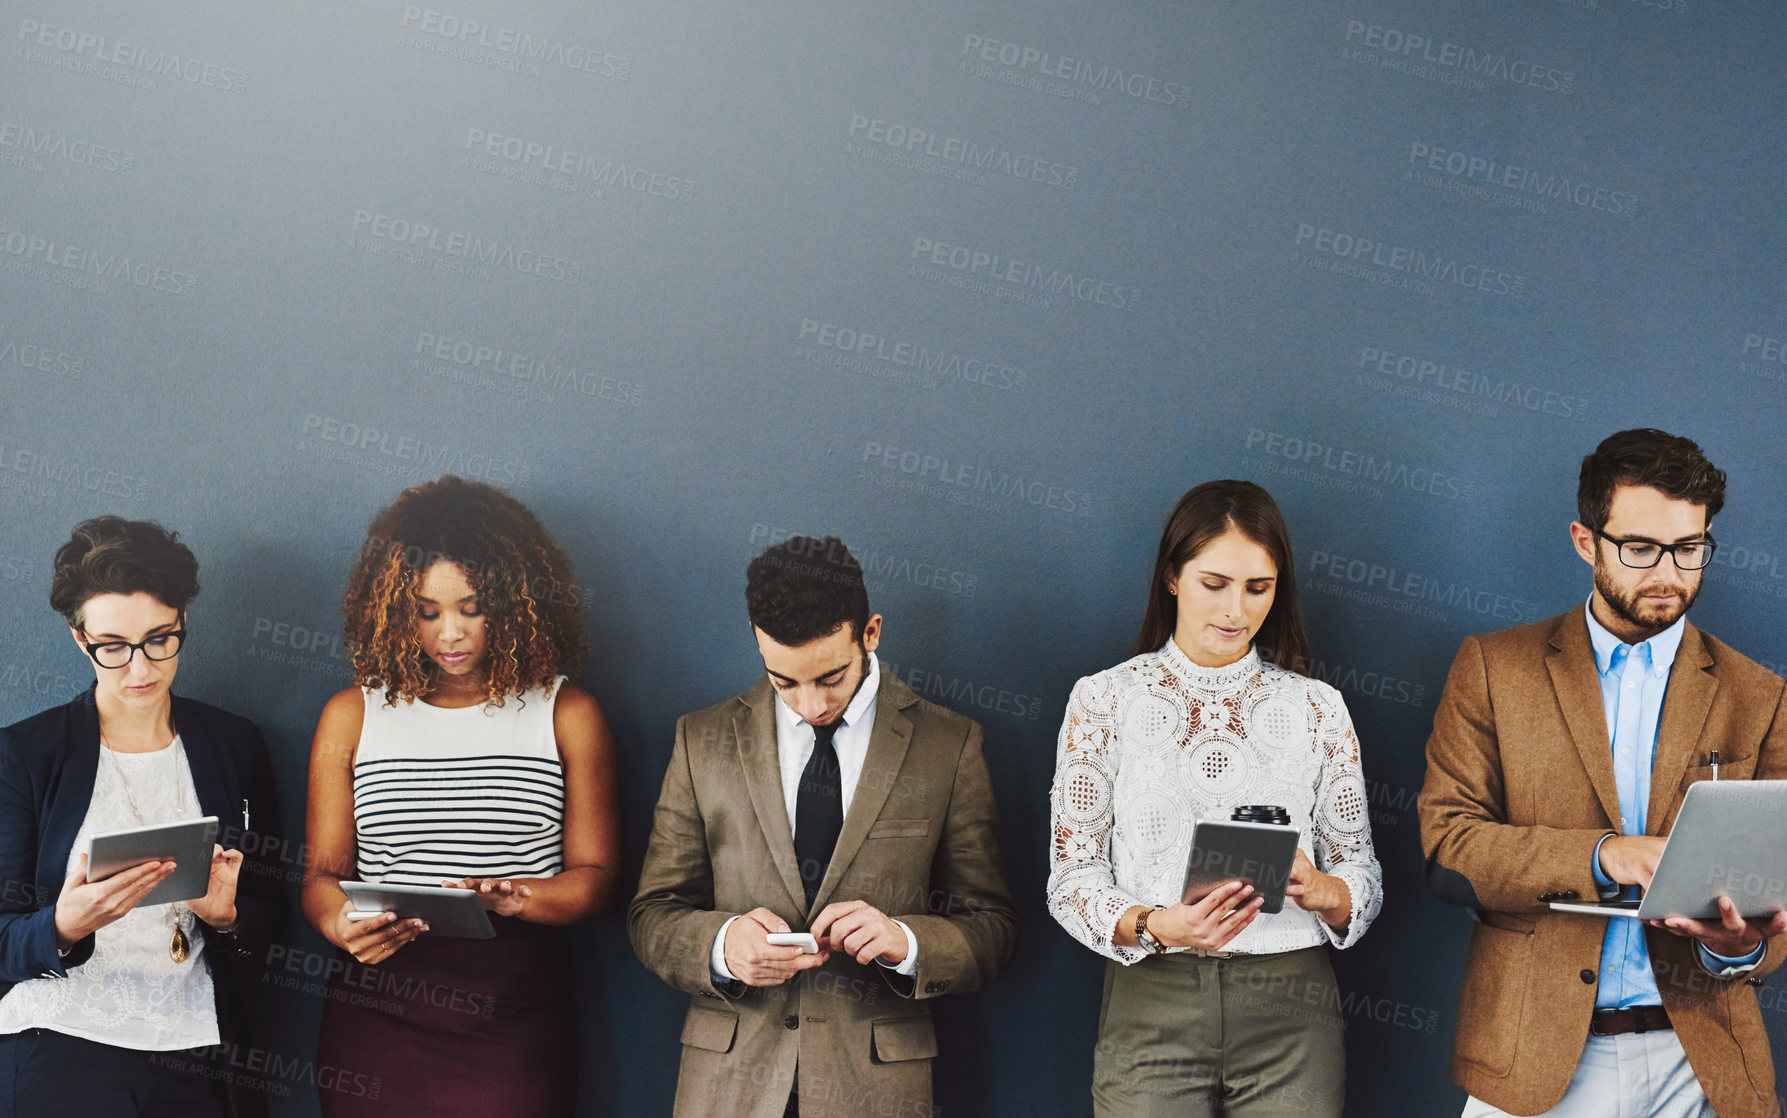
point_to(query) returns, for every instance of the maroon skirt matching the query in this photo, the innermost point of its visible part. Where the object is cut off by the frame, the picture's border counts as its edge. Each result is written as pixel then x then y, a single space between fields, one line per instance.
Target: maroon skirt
pixel 451 1027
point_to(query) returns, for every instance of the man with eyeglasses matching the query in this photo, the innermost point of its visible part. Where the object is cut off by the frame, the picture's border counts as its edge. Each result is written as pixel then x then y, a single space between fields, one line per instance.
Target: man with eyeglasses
pixel 1560 755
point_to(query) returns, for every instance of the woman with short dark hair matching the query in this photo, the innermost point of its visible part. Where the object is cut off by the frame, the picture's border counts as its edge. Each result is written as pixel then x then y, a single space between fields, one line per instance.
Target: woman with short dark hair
pixel 109 1006
pixel 463 758
pixel 1211 1006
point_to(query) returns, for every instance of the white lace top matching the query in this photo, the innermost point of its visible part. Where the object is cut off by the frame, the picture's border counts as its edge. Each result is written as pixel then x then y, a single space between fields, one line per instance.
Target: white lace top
pixel 130 992
pixel 1156 743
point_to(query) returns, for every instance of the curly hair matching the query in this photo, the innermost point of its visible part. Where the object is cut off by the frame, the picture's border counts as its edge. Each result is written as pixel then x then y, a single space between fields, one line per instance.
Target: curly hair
pixel 112 555
pixel 521 575
pixel 804 588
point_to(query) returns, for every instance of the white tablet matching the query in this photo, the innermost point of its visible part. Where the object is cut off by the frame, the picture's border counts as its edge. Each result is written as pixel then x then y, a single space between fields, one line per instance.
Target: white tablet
pixel 188 844
pixel 448 912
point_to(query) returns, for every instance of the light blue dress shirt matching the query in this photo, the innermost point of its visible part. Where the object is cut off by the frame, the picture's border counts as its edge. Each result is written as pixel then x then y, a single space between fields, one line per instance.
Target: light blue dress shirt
pixel 1634 680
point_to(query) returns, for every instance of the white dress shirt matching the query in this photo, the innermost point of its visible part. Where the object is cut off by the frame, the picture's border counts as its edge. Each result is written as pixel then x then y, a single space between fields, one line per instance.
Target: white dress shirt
pixel 794 748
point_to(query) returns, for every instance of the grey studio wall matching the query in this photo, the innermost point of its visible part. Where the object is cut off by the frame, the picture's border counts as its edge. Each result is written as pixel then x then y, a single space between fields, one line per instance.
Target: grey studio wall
pixel 980 287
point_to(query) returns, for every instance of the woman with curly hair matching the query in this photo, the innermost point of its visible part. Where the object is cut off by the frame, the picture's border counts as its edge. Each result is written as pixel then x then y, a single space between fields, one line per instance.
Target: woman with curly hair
pixel 463 758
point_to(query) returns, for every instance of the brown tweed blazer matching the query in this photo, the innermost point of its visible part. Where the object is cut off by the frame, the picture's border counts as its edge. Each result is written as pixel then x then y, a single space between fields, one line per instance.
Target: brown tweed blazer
pixel 920 842
pixel 1519 789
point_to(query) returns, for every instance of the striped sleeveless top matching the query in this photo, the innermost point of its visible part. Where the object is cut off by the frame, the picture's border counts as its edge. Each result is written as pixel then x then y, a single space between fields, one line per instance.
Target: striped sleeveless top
pixel 441 794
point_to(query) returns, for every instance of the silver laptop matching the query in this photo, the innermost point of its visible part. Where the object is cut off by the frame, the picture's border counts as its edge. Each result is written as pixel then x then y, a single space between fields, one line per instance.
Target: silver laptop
pixel 1730 839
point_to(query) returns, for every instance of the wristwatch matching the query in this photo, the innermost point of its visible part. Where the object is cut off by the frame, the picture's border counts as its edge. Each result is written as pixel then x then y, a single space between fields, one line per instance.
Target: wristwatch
pixel 1146 938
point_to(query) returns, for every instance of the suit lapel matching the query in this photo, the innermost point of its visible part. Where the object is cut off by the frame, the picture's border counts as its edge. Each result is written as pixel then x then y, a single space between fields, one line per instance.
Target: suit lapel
pixel 888 741
pixel 1692 686
pixel 759 755
pixel 205 761
pixel 73 793
pixel 1572 668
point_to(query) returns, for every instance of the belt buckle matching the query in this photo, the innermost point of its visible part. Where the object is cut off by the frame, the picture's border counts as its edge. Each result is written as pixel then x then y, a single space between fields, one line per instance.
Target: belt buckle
pixel 1207 953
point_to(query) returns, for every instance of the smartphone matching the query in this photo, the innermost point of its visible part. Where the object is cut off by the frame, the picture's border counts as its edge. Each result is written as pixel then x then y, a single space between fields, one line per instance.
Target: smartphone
pixel 803 940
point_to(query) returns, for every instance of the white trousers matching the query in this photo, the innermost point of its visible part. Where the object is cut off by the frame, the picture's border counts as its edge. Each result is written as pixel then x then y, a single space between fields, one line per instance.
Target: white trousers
pixel 1634 1075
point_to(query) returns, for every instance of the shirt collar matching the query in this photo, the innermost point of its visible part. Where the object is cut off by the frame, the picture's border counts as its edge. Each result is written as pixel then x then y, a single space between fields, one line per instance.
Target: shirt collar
pixel 859 704
pixel 1663 646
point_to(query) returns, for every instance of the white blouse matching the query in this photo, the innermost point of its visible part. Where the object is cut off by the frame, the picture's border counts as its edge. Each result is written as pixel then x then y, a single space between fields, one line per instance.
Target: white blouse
pixel 129 992
pixel 1156 743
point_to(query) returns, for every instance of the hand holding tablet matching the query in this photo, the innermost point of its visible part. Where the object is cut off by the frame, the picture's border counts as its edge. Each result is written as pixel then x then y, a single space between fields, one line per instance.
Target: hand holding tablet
pixel 455 912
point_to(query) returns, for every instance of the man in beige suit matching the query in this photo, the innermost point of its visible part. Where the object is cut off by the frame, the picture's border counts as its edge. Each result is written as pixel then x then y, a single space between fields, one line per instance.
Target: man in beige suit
pixel 1560 754
pixel 829 799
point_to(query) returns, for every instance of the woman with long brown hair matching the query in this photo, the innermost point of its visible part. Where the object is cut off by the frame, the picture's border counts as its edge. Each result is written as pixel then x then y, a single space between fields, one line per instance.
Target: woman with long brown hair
pixel 1211 1006
pixel 463 758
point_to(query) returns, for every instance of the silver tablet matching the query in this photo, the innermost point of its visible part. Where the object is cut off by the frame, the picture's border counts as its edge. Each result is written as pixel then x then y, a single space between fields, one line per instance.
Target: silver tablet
pixel 1726 842
pixel 449 912
pixel 188 844
pixel 1257 853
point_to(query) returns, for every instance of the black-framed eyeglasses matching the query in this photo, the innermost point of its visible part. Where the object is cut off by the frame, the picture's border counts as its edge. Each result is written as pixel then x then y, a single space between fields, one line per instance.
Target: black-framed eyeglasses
pixel 1644 554
pixel 118 654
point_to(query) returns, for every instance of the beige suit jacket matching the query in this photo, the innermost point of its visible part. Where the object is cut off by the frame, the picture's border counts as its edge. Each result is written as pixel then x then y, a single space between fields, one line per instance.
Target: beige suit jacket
pixel 1519 789
pixel 920 842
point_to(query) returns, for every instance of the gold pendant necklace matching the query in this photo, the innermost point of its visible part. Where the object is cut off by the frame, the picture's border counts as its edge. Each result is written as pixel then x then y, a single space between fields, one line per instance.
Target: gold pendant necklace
pixel 179 947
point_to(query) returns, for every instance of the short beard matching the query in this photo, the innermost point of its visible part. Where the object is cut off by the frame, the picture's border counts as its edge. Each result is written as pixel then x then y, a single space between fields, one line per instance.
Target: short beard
pixel 1626 608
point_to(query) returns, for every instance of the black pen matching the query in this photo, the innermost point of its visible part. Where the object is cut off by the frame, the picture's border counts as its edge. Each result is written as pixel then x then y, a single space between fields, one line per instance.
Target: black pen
pixel 245 815
pixel 1713 760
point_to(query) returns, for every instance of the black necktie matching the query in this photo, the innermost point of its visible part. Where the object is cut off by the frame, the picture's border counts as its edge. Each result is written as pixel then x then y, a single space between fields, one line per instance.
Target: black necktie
pixel 818 809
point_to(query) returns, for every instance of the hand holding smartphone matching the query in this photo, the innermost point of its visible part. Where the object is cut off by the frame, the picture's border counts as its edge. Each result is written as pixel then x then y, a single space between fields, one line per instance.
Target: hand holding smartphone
pixel 803 940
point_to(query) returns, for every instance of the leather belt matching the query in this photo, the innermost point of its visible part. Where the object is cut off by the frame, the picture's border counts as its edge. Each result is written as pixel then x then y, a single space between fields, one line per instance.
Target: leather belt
pixel 1206 953
pixel 1638 1019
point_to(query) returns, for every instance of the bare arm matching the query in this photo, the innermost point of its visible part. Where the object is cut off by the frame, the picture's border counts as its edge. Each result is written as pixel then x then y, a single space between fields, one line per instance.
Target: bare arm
pixel 589 885
pixel 330 849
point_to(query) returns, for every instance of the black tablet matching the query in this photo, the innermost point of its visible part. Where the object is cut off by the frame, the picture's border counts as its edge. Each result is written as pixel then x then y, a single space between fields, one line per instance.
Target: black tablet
pixel 1257 853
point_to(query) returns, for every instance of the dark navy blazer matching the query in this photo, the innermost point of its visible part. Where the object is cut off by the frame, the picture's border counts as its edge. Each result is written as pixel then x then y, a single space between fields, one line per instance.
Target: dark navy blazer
pixel 47 766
